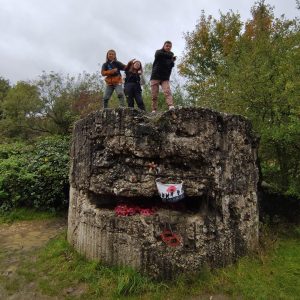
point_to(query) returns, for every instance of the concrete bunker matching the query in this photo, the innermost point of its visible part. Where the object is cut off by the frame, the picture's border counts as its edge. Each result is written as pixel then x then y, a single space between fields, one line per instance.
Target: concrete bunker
pixel 116 157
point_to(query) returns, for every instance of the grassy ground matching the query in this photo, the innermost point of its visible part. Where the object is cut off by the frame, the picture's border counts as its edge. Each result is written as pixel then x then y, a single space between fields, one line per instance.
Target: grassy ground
pixel 271 274
pixel 25 214
pixel 59 272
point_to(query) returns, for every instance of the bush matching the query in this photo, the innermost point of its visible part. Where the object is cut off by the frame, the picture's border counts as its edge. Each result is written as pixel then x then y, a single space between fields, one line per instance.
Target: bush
pixel 50 164
pixel 35 175
pixel 14 178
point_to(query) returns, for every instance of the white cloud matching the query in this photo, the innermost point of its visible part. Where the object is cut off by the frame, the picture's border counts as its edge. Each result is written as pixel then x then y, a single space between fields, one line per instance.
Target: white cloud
pixel 72 36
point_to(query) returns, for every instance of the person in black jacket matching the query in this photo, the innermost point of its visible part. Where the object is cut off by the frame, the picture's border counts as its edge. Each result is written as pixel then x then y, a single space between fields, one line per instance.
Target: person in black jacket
pixel 161 72
pixel 132 86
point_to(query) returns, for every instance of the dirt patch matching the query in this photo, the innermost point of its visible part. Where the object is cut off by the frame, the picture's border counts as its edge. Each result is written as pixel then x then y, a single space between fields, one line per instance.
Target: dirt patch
pixel 27 235
pixel 18 242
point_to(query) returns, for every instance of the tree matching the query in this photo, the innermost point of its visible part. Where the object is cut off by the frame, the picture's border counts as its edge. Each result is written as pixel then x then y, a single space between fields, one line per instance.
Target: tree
pixel 206 50
pixel 66 99
pixel 4 89
pixel 48 105
pixel 254 72
pixel 20 108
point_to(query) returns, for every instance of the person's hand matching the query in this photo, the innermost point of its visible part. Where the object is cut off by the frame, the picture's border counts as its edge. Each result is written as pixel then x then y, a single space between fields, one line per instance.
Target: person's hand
pixel 115 70
pixel 130 62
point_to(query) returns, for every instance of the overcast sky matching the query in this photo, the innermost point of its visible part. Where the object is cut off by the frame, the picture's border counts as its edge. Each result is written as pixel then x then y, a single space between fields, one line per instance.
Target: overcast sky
pixel 72 36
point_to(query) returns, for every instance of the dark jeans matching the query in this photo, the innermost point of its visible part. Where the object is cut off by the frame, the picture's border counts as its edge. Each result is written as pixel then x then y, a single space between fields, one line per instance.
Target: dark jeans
pixel 133 92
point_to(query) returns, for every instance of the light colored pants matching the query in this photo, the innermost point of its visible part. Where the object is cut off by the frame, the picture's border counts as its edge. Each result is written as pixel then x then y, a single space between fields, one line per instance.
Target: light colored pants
pixel 165 85
pixel 108 92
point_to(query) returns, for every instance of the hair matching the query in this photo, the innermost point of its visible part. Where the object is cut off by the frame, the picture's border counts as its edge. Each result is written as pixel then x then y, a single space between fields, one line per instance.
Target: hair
pixel 111 50
pixel 131 68
pixel 166 42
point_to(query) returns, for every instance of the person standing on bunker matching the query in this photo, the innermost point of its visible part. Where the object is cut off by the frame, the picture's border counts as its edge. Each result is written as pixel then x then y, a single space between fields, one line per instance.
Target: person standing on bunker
pixel 160 76
pixel 133 81
pixel 111 70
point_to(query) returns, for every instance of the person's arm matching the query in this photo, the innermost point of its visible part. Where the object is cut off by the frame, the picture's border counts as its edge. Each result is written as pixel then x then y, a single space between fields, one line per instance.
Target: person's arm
pixel 105 72
pixel 127 67
pixel 120 66
pixel 160 53
pixel 108 72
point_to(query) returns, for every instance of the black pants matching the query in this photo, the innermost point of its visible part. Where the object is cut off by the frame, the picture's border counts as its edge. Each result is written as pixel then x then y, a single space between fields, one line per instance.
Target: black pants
pixel 133 92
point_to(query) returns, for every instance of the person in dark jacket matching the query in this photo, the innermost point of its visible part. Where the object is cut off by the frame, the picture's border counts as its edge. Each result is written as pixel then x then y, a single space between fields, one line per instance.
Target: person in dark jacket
pixel 161 72
pixel 132 86
pixel 111 69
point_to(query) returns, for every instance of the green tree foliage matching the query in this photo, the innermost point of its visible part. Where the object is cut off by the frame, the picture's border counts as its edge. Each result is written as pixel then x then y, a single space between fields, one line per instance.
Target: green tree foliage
pixel 67 99
pixel 34 175
pixel 20 108
pixel 4 89
pixel 49 105
pixel 207 49
pixel 252 70
pixel 13 178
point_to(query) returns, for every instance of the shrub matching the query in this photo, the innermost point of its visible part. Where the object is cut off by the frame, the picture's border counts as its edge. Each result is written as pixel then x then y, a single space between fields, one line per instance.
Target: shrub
pixel 35 175
pixel 14 178
pixel 50 164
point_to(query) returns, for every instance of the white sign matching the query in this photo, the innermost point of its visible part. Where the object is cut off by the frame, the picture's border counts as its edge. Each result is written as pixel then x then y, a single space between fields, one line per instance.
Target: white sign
pixel 170 192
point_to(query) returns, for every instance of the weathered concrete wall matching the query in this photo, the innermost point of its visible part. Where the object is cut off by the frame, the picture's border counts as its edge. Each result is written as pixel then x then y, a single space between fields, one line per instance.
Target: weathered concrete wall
pixel 214 154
